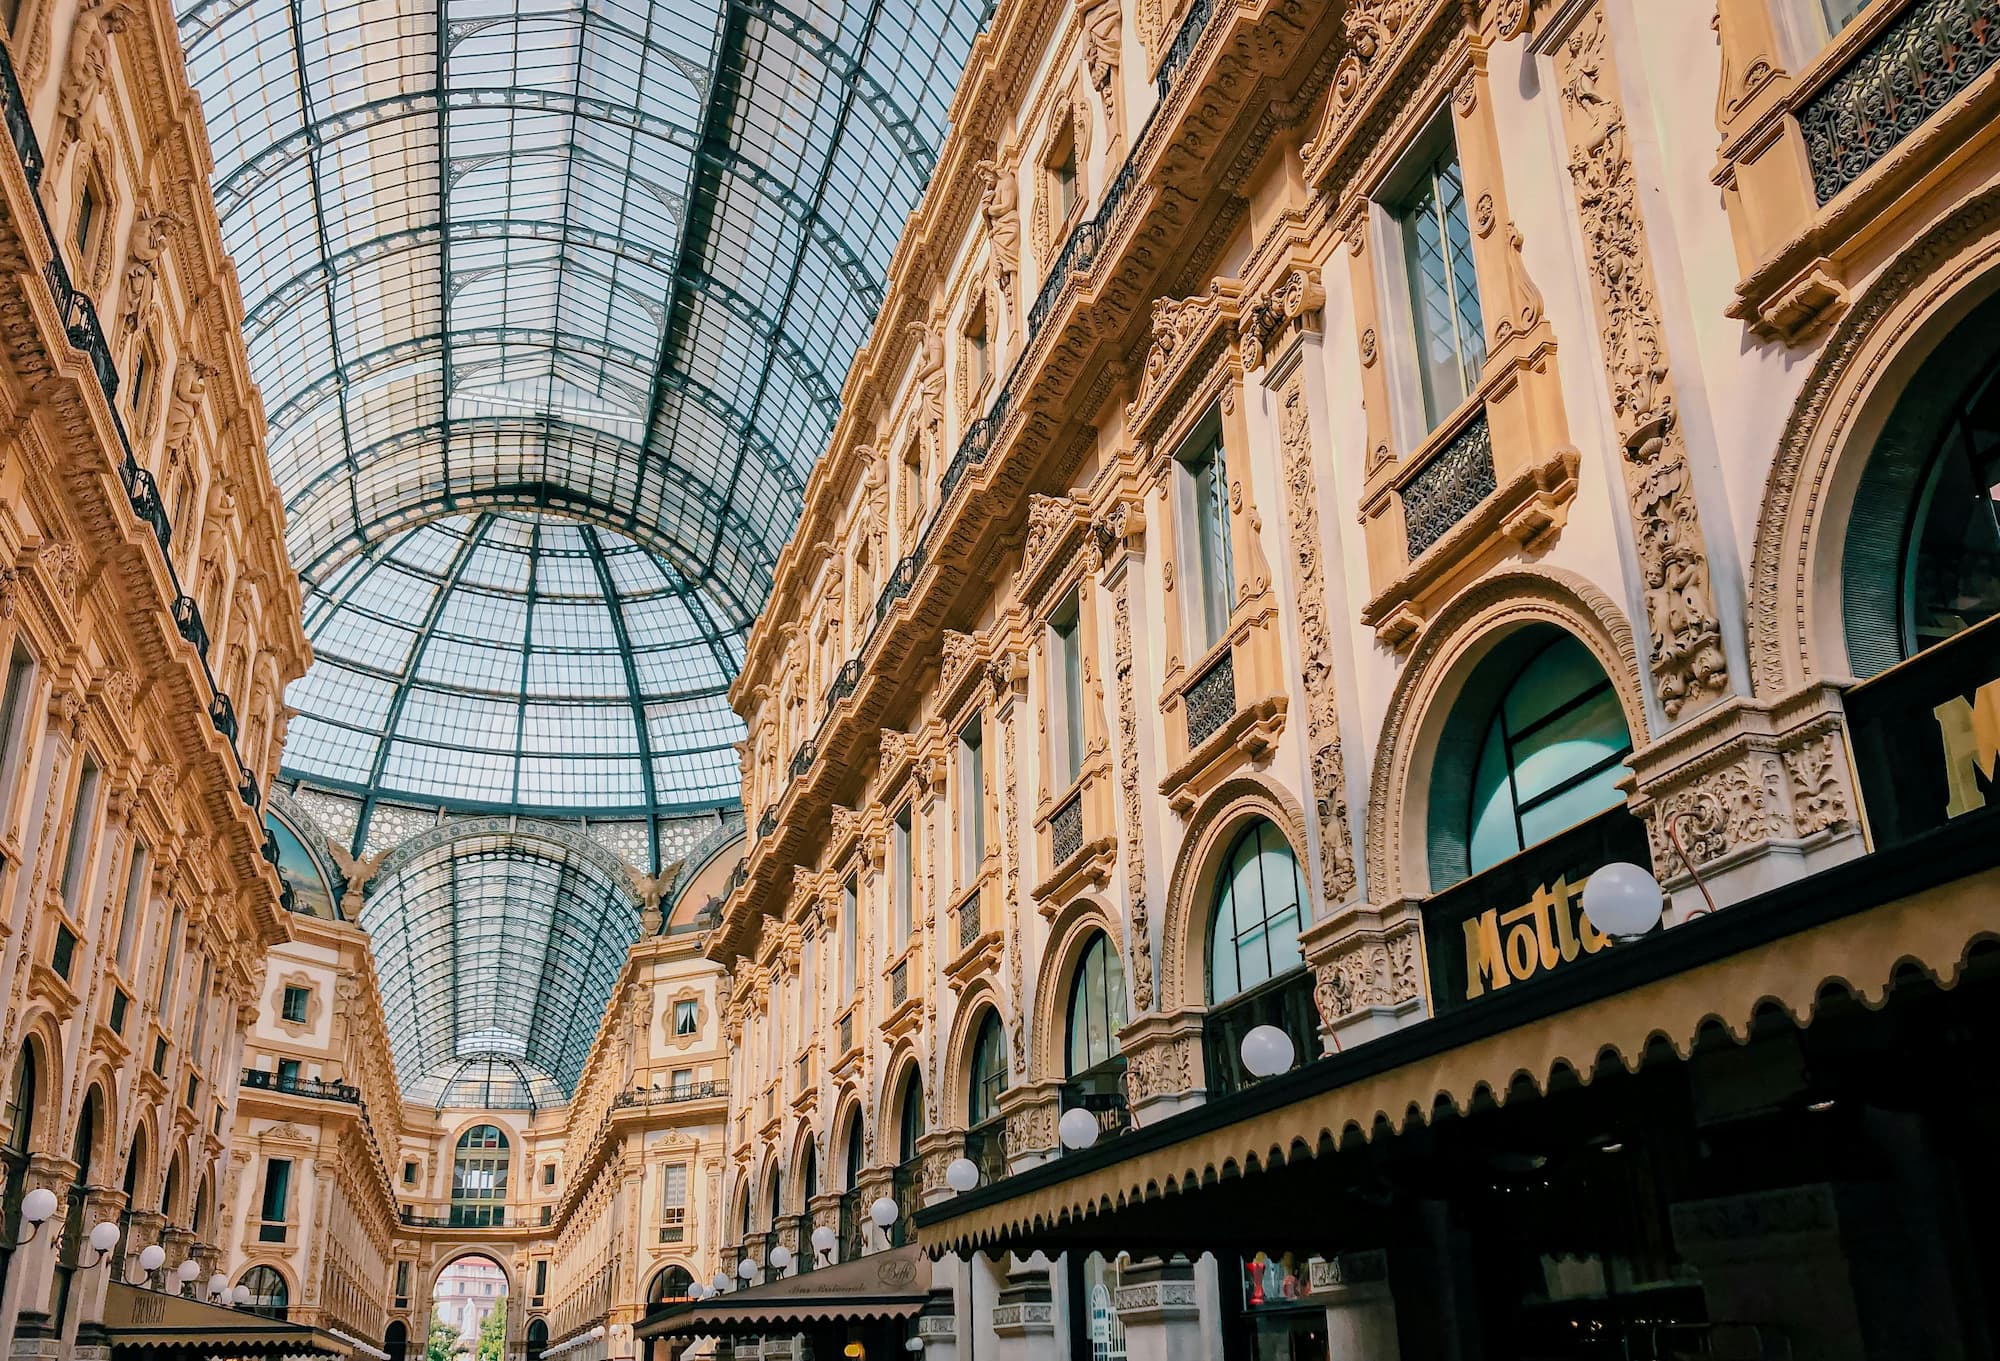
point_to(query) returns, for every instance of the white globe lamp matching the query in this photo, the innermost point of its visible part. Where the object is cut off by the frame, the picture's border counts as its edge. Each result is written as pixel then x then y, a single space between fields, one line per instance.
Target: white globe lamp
pixel 217 1285
pixel 38 1205
pixel 1267 1051
pixel 188 1270
pixel 151 1258
pixel 961 1175
pixel 241 1295
pixel 781 1257
pixel 884 1212
pixel 1077 1128
pixel 746 1268
pixel 824 1239
pixel 1623 900
pixel 104 1236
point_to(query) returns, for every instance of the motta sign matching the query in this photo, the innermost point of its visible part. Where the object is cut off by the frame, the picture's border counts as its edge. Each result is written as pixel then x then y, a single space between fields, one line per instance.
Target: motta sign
pixel 1926 737
pixel 1523 920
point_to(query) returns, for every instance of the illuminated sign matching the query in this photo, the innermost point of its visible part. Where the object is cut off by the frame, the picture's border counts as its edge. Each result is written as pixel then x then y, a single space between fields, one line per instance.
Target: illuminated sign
pixel 1522 920
pixel 1926 737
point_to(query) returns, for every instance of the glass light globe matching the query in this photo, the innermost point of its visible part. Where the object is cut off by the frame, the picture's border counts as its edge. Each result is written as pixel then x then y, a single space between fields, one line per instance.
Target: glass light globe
pixel 746 1268
pixel 961 1175
pixel 104 1235
pixel 884 1212
pixel 187 1270
pixel 720 1283
pixel 1623 900
pixel 38 1205
pixel 1267 1051
pixel 152 1257
pixel 824 1239
pixel 217 1284
pixel 1077 1129
pixel 781 1257
pixel 241 1294
pixel 914 1345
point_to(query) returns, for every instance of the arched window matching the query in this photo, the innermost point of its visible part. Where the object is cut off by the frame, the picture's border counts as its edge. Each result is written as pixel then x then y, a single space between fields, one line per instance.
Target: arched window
pixel 1921 561
pixel 1096 1006
pixel 170 1193
pixel 1536 745
pixel 853 1152
pixel 777 1198
pixel 479 1178
pixel 14 1154
pixel 1253 935
pixel 268 1294
pixel 670 1286
pixel 538 1335
pixel 910 1116
pixel 809 1178
pixel 396 1341
pixel 989 1071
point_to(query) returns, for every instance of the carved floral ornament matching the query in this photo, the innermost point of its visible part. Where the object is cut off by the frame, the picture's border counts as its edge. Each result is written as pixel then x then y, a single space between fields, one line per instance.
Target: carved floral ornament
pixel 1186 332
pixel 1291 306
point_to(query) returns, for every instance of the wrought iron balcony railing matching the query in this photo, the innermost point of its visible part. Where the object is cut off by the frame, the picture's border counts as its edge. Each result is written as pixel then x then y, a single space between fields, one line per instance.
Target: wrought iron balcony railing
pixel 845 681
pixel 1210 701
pixel 899 983
pixel 222 714
pixel 670 1096
pixel 262 1080
pixel 802 759
pixel 1066 830
pixel 1449 487
pixel 1928 54
pixel 768 823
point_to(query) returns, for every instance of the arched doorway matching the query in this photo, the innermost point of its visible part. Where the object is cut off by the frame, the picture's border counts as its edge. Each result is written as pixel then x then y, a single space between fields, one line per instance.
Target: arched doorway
pixel 14 1150
pixel 69 1254
pixel 396 1341
pixel 469 1309
pixel 538 1339
pixel 671 1285
pixel 269 1295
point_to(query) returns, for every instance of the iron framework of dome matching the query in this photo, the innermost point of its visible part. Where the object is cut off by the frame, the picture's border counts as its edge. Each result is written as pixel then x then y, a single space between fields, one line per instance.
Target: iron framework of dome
pixel 509 660
pixel 610 258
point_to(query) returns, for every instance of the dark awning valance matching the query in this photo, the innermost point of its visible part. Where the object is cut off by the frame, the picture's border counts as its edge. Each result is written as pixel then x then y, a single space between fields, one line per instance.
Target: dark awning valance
pixel 1921 906
pixel 883 1285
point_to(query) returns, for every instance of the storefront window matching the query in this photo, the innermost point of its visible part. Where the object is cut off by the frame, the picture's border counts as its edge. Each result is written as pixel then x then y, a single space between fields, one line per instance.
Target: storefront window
pixel 1277 1318
pixel 989 1071
pixel 1096 1006
pixel 1954 577
pixel 1254 934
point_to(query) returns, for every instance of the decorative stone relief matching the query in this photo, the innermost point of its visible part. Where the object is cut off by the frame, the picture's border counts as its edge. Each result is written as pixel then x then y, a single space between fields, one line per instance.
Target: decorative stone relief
pixel 1366 971
pixel 355 872
pixel 1009 884
pixel 1329 771
pixel 1165 1068
pixel 1130 801
pixel 1000 205
pixel 1103 23
pixel 1685 652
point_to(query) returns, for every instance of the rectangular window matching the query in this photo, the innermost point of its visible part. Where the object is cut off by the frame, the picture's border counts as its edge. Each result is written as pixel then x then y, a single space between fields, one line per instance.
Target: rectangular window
pixel 548 1214
pixel 288 1075
pixel 83 817
pixel 906 877
pixel 135 904
pixel 13 723
pixel 673 1203
pixel 409 1174
pixel 971 801
pixel 86 218
pixel 1066 694
pixel 541 1276
pixel 193 1090
pixel 159 1057
pixel 64 953
pixel 548 1174
pixel 294 1007
pixel 169 967
pixel 1213 578
pixel 403 1284
pixel 687 1017
pixel 201 1007
pixel 277 1198
pixel 808 984
pixel 978 350
pixel 1444 293
pixel 119 1004
pixel 850 966
pixel 682 1081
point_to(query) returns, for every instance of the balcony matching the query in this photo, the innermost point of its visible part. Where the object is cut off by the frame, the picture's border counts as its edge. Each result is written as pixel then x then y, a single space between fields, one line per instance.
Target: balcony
pixel 144 494
pixel 844 682
pixel 802 759
pixel 222 713
pixel 262 1080
pixel 670 1096
pixel 899 983
pixel 844 1031
pixel 768 823
pixel 460 1217
pixel 1066 823
pixel 902 580
pixel 1210 702
pixel 1449 487
pixel 1285 1002
pixel 969 920
pixel 187 619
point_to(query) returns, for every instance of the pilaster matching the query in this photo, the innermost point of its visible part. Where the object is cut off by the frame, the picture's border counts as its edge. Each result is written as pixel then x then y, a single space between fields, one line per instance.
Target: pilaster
pixel 1367 966
pixel 1160 1308
pixel 1164 1073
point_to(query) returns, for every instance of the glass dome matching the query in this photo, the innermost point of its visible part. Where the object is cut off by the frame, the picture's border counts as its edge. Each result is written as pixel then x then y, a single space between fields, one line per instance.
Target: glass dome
pixel 518 661
pixel 489 1083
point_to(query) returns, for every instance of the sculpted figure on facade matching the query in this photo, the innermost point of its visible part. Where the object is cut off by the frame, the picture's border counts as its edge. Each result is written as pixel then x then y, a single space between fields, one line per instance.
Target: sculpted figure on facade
pixel 1000 205
pixel 1103 34
pixel 150 233
pixel 85 69
pixel 191 377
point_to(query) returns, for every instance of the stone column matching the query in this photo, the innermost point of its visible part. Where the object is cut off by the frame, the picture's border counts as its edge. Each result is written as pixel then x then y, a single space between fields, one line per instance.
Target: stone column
pixel 88 1286
pixel 1360 1311
pixel 1160 1311
pixel 1024 1319
pixel 142 1230
pixel 26 1320
pixel 937 1324
pixel 180 1246
pixel 873 1183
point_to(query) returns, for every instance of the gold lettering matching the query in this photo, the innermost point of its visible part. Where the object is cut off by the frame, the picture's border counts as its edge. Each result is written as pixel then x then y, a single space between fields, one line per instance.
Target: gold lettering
pixel 1483 965
pixel 1559 908
pixel 1539 942
pixel 1592 939
pixel 1971 733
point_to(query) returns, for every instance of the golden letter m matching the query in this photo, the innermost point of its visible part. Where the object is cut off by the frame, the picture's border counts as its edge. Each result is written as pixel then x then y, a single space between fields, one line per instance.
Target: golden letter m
pixel 1971 732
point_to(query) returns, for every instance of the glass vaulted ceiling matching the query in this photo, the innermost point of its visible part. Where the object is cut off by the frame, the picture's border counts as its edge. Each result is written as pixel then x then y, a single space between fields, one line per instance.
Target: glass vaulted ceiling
pixel 608 258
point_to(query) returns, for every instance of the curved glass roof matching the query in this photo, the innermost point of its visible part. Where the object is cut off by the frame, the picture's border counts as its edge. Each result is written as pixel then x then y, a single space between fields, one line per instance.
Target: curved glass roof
pixel 500 945
pixel 517 660
pixel 613 256
pixel 486 1083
